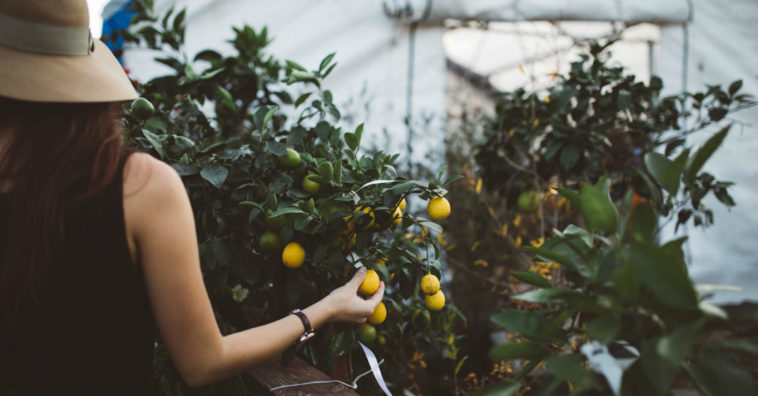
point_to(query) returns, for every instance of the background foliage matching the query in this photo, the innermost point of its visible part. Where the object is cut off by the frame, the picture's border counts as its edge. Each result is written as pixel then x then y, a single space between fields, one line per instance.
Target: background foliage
pixel 595 122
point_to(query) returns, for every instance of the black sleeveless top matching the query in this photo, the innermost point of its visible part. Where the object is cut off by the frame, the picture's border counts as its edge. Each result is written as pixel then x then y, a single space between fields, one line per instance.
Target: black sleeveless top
pixel 94 333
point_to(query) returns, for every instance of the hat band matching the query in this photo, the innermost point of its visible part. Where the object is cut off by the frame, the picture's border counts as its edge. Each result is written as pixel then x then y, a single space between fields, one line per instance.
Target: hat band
pixel 46 39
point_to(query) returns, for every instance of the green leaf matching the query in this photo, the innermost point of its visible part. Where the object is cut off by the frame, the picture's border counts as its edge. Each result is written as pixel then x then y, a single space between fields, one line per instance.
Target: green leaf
pixel 450 180
pixel 604 328
pixel 595 204
pixel 225 96
pixel 276 148
pixel 569 368
pixel 183 143
pixel 738 346
pixel 544 295
pixel 325 62
pixel 155 141
pixel 269 114
pixel 717 374
pixel 501 389
pixel 302 98
pixel 301 222
pixel 402 188
pixel 566 256
pixel 296 66
pixel 326 170
pixel 531 278
pixel 338 173
pixel 734 87
pixel 626 282
pixel 643 223
pixel 351 140
pixel 662 276
pixel 184 169
pixel 530 324
pixel 569 156
pixel 702 155
pixel 518 350
pixel 598 209
pixel 215 174
pixel 430 225
pixel 285 211
pixel 665 171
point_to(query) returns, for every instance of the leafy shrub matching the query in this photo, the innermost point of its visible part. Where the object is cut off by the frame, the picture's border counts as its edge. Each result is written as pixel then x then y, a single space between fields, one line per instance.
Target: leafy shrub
pixel 596 121
pixel 264 167
pixel 623 296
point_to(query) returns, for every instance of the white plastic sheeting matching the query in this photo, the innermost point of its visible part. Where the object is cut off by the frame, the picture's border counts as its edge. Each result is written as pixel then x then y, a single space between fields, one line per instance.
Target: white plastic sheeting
pixel 723 47
pixel 632 11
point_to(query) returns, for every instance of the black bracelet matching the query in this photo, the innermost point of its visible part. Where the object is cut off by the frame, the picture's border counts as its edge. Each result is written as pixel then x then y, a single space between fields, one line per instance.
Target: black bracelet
pixel 309 332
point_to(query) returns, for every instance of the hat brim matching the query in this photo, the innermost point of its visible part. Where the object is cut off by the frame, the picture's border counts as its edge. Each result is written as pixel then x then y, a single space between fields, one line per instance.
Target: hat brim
pixel 97 77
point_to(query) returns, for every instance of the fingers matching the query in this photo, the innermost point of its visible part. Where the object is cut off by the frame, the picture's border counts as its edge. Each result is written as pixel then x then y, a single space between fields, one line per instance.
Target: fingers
pixel 358 278
pixel 377 297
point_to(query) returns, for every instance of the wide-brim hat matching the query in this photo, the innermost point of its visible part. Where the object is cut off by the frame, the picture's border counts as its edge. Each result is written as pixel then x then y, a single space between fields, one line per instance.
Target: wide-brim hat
pixel 47 54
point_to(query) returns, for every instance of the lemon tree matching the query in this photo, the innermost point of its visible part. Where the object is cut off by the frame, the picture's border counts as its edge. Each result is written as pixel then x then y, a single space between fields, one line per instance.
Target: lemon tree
pixel 286 203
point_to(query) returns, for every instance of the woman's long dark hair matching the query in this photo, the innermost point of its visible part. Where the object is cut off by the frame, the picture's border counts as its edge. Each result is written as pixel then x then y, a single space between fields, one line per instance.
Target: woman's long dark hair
pixel 58 156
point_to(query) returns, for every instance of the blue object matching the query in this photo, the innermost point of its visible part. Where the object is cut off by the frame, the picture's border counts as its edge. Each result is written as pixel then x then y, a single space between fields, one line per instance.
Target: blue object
pixel 116 17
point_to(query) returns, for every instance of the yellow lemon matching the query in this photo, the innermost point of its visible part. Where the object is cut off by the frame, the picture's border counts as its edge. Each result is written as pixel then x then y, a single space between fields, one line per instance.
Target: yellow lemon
pixel 381 261
pixel 430 284
pixel 397 217
pixel 435 302
pixel 293 255
pixel 370 283
pixel 402 204
pixel 369 212
pixel 438 208
pixel 351 243
pixel 379 314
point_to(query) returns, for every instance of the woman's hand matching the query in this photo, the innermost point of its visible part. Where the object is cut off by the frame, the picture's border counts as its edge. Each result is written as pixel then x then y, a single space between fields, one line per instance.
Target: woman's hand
pixel 347 306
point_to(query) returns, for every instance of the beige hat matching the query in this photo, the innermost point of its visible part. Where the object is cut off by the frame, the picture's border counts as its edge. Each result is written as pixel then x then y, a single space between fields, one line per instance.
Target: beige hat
pixel 47 54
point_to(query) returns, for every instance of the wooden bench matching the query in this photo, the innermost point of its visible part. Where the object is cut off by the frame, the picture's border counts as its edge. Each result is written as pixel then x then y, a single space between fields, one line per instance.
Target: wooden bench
pixel 271 374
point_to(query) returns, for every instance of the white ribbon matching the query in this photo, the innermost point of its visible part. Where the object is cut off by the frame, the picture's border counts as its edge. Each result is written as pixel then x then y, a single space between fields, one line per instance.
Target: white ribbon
pixel 374 364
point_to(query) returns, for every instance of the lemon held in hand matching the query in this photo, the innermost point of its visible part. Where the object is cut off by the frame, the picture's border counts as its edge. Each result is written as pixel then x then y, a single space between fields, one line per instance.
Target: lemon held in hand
pixel 435 302
pixel 293 255
pixel 370 283
pixel 438 208
pixel 430 284
pixel 379 314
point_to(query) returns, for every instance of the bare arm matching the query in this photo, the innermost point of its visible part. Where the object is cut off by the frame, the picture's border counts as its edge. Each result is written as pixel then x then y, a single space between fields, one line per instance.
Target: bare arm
pixel 160 222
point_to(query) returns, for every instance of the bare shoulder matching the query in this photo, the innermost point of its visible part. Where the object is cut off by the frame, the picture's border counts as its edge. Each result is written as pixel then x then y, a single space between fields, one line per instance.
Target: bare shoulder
pixel 146 177
pixel 152 189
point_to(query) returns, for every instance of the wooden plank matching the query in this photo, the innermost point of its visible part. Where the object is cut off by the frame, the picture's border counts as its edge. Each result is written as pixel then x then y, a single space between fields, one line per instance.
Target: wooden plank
pixel 271 374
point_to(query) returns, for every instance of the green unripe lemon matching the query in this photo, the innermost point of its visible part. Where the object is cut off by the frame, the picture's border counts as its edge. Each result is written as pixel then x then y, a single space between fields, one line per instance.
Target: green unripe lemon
pixel 366 333
pixel 309 186
pixel 290 160
pixel 529 201
pixel 269 242
pixel 142 108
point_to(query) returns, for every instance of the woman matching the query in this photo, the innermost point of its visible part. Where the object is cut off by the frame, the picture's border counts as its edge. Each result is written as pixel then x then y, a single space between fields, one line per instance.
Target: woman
pixel 97 245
